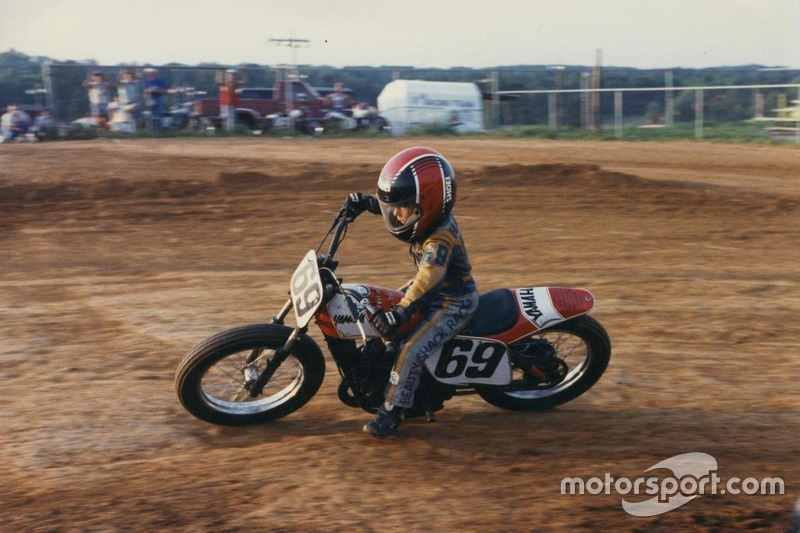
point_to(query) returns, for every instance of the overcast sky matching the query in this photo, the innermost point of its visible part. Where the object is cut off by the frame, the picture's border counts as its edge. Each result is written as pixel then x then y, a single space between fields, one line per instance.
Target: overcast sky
pixel 422 33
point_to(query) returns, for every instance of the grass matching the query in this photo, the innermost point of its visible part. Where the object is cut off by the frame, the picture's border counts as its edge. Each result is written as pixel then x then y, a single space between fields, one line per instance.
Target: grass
pixel 733 132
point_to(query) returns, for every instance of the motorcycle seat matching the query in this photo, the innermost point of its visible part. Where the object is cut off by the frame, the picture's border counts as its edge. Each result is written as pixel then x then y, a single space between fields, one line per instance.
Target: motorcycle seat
pixel 497 312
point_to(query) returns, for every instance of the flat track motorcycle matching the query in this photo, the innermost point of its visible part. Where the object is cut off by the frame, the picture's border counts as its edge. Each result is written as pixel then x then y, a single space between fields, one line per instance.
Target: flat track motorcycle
pixel 526 349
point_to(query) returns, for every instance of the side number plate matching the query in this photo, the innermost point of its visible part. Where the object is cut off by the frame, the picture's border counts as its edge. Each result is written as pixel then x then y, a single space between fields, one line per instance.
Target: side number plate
pixel 467 360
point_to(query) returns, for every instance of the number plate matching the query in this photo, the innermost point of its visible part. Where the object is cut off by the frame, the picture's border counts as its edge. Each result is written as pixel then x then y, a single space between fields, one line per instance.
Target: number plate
pixel 466 360
pixel 306 289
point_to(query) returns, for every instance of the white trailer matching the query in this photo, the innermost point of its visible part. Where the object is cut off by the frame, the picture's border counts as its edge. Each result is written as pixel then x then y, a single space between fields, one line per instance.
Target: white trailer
pixel 408 103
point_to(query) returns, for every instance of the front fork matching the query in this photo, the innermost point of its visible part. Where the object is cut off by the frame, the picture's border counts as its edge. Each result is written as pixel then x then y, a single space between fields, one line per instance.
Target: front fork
pixel 281 354
pixel 278 319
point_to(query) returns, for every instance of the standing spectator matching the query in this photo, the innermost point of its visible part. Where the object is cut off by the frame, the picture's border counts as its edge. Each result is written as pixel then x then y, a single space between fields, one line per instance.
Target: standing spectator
pixel 43 123
pixel 155 88
pixel 5 124
pixel 340 100
pixel 99 96
pixel 14 123
pixel 228 82
pixel 129 91
pixel 21 122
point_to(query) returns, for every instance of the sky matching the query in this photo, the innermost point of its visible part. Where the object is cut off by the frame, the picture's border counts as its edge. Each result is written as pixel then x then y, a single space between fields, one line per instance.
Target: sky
pixel 418 33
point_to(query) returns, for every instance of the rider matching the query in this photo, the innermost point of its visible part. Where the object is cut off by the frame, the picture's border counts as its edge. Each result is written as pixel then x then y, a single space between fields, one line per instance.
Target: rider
pixel 416 193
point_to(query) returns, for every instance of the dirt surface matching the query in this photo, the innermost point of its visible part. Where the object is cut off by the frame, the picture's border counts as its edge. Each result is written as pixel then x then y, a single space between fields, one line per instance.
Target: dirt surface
pixel 117 257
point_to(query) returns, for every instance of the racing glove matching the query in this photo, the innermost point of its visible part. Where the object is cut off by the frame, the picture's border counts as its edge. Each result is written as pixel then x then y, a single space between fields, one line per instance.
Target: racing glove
pixel 388 323
pixel 356 203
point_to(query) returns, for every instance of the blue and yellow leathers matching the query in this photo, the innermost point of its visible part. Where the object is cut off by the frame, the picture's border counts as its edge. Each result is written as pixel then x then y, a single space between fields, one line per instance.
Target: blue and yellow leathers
pixel 445 292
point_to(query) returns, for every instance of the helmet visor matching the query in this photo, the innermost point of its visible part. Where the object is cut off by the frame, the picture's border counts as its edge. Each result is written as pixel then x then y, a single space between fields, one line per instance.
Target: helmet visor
pixel 400 216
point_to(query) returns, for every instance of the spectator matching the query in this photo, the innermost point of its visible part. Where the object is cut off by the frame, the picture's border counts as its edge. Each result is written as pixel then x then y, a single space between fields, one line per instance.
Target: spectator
pixel 340 100
pixel 21 122
pixel 228 82
pixel 155 88
pixel 120 118
pixel 129 91
pixel 5 123
pixel 43 124
pixel 99 96
pixel 14 123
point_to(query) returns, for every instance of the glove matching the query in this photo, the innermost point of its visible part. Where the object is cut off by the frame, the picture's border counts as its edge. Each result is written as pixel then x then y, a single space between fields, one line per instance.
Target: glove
pixel 356 203
pixel 388 323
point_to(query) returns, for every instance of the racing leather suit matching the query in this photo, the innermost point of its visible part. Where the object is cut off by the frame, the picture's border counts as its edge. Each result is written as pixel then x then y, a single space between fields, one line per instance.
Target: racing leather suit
pixel 443 289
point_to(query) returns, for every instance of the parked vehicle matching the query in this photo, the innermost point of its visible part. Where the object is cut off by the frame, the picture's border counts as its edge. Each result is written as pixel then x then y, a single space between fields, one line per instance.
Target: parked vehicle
pixel 360 117
pixel 526 349
pixel 290 103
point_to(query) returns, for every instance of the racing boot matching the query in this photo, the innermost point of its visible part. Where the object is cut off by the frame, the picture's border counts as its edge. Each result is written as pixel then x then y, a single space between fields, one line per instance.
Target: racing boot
pixel 385 423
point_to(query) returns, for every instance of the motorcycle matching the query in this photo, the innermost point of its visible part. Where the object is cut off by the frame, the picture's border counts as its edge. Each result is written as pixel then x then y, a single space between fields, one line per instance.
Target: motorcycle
pixel 360 117
pixel 526 349
pixel 183 114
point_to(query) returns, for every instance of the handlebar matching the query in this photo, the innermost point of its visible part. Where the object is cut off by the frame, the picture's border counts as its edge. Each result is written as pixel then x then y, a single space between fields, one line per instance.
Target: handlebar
pixel 339 228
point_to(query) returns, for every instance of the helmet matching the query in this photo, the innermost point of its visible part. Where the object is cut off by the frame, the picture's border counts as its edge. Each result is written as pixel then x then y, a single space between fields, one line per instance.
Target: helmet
pixel 421 181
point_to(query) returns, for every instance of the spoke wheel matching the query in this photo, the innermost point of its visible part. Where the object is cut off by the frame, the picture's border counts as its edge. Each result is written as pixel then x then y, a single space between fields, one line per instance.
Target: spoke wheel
pixel 581 351
pixel 215 378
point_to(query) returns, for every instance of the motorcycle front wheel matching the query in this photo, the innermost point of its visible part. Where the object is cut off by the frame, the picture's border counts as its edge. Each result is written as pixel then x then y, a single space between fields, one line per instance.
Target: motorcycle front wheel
pixel 581 349
pixel 213 380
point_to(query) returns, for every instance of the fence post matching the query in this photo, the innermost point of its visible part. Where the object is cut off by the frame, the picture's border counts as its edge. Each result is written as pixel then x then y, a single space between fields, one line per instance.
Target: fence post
pixel 618 114
pixel 584 100
pixel 551 112
pixel 47 83
pixel 797 124
pixel 495 100
pixel 698 114
pixel 669 104
pixel 758 103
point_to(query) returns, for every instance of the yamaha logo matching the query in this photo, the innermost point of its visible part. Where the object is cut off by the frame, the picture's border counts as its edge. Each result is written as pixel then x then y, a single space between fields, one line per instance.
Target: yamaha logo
pixel 529 306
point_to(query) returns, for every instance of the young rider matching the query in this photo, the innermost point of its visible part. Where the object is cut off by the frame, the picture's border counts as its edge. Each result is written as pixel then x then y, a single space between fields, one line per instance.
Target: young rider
pixel 416 194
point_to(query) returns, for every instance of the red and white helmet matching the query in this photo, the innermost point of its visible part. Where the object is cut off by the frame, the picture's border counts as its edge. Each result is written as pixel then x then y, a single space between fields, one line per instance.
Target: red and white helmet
pixel 418 178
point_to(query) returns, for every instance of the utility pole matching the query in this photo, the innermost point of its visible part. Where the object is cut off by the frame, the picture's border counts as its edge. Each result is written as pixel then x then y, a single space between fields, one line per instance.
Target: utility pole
pixel 293 44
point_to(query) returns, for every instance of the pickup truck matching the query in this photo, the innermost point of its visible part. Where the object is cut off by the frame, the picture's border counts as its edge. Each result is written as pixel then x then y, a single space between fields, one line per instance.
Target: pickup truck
pixel 289 101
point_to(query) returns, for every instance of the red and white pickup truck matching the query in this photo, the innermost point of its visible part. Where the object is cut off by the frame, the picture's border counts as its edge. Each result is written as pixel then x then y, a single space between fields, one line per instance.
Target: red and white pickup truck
pixel 288 102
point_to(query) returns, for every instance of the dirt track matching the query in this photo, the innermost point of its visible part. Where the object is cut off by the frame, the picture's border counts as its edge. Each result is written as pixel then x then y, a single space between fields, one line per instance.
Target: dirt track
pixel 117 257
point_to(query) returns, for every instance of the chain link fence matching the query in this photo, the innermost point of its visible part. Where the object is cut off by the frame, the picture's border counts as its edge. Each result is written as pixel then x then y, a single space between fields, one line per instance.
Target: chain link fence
pixel 551 98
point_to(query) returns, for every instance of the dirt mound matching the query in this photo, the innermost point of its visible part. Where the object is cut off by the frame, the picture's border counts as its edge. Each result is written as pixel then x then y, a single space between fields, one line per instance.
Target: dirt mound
pixel 622 188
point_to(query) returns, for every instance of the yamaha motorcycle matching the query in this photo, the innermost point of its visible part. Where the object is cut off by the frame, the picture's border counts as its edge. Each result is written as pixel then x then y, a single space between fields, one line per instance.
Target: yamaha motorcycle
pixel 526 349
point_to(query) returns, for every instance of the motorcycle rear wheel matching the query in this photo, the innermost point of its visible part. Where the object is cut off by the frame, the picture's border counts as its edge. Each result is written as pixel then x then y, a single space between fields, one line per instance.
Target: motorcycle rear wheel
pixel 584 346
pixel 211 380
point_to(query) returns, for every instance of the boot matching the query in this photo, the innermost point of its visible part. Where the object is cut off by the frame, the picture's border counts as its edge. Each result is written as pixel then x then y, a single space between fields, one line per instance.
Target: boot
pixel 385 423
